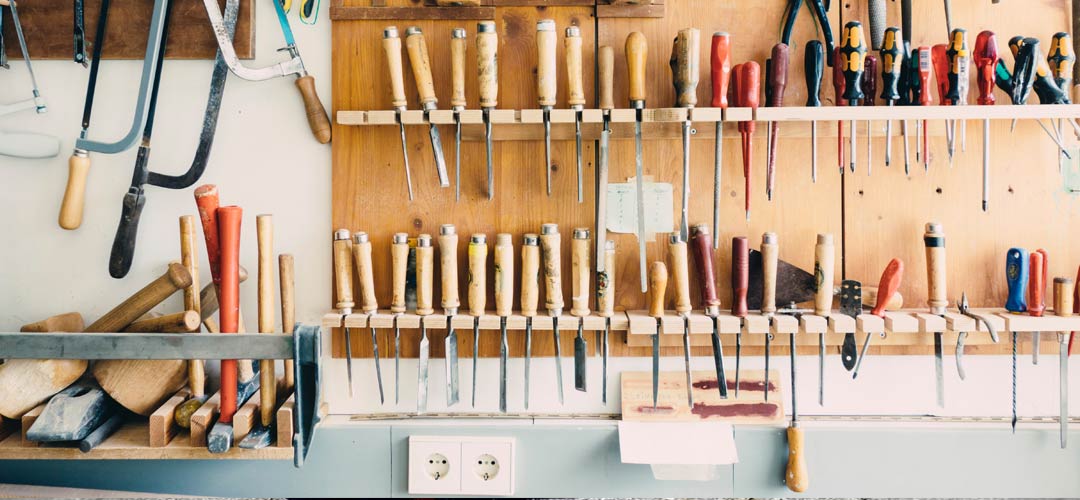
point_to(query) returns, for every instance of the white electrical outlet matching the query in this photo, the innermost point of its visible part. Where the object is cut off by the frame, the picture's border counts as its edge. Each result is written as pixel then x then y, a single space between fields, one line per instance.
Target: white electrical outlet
pixel 487 466
pixel 435 465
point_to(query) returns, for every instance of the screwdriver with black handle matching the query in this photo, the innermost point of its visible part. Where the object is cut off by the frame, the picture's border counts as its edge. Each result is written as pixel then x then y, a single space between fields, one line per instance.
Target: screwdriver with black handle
pixel 986 59
pixel 1061 60
pixel 959 77
pixel 852 59
pixel 891 65
pixel 777 70
pixel 813 67
pixel 1027 64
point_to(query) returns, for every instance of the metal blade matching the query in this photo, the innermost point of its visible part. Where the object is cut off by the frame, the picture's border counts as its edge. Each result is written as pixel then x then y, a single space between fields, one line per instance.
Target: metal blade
pixel 558 357
pixel 1013 382
pixel 452 372
pixel 348 358
pixel 577 139
pixel 397 362
pixel 1035 347
pixel 422 366
pixel 656 365
pixel 547 146
pixel 684 224
pixel 738 360
pixel 821 370
pixel 686 358
pixel 601 201
pixel 768 338
pixel 603 389
pixel 440 161
pixel 960 338
pixel 939 370
pixel 718 155
pixel 528 357
pixel 405 157
pixel 640 172
pixel 503 353
pixel 862 355
pixel 378 371
pixel 475 356
pixel 718 360
pixel 580 353
pixel 1063 386
pixel 457 156
pixel 487 140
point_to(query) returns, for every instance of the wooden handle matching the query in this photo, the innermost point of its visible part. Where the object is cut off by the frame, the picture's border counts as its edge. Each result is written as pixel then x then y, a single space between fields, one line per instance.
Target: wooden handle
pixel 399 257
pixel 317 118
pixel 264 227
pixel 71 209
pixel 1064 288
pixel 575 90
pixel 142 301
pixel 888 286
pixel 680 272
pixel 703 262
pixel 530 274
pixel 605 283
pixel 636 52
pixel 824 258
pixel 288 309
pixel 551 253
pixel 607 77
pixel 361 254
pixel 71 322
pixel 229 220
pixel 740 275
pixel 796 476
pixel 425 271
pixel 343 271
pixel 421 66
pixel 487 46
pixel 448 262
pixel 504 274
pixel 1036 287
pixel 546 74
pixel 720 69
pixel 477 279
pixel 392 46
pixel 770 252
pixel 687 68
pixel 658 277
pixel 579 272
pixel 207 201
pixel 181 322
pixel 189 258
pixel 1045 276
pixel 457 68
pixel 934 239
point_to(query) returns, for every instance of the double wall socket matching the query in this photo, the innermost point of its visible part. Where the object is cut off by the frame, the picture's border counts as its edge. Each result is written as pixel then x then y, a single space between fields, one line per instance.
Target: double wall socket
pixel 461 465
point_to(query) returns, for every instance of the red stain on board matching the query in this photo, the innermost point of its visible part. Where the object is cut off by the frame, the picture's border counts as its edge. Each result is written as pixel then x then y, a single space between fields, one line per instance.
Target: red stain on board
pixel 659 410
pixel 744 385
pixel 704 410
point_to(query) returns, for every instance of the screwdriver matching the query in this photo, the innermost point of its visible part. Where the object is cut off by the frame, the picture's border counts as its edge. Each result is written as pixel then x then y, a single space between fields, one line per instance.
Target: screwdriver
pixel 421 66
pixel 852 58
pixel 1016 277
pixel 1024 79
pixel 721 76
pixel 477 290
pixel 740 281
pixel 487 46
pixel 605 305
pixel 839 87
pixel 922 56
pixel 870 87
pixel 687 49
pixel 747 88
pixel 703 262
pixel 913 82
pixel 546 79
pixel 575 95
pixel 392 46
pixel 777 70
pixel 986 59
pixel 891 65
pixel 457 99
pixel 658 277
pixel 940 58
pixel 959 77
pixel 813 67
pixel 1061 60
pixel 551 255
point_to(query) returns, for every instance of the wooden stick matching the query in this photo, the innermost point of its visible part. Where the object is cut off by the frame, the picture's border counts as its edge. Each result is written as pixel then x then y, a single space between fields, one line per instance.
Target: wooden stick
pixel 189 257
pixel 181 322
pixel 142 301
pixel 288 309
pixel 267 377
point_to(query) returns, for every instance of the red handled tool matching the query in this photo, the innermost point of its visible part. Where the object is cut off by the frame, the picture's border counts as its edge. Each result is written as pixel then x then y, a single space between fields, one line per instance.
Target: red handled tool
pixel 777 70
pixel 986 59
pixel 747 89
pixel 922 55
pixel 887 287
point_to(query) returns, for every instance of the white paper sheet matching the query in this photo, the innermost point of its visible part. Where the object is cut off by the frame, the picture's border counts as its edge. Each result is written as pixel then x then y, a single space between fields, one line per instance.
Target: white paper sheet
pixel 681 443
pixel 659 208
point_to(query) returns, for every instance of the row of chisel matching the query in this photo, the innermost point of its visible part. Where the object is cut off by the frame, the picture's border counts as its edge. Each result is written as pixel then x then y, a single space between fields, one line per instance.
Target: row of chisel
pixel 413 261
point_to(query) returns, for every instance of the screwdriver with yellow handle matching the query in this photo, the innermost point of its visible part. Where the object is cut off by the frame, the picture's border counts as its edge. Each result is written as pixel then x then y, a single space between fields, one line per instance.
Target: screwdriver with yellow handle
pixel 852 60
pixel 891 69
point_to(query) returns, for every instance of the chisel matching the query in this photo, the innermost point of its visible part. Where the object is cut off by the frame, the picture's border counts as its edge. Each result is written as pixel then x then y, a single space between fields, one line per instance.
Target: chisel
pixel 721 77
pixel 814 68
pixel 575 96
pixel 448 243
pixel 477 286
pixel 457 99
pixel 606 63
pixel 392 46
pixel 1016 277
pixel 504 303
pixel 852 59
pixel 658 277
pixel 891 69
pixel 399 257
pixel 636 53
pixel 685 74
pixel 740 282
pixel 934 240
pixel 551 253
pixel 344 291
pixel 770 249
pixel 605 305
pixel 824 259
pixel 425 277
pixel 703 262
pixel 887 287
pixel 579 300
pixel 1036 293
pixel 546 80
pixel 777 70
pixel 361 252
pixel 986 59
pixel 680 273
pixel 487 47
pixel 530 295
pixel 1064 289
pixel 425 87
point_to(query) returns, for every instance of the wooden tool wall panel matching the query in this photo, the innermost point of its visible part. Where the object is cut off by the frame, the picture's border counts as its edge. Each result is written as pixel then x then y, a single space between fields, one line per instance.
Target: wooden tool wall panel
pixel 47 25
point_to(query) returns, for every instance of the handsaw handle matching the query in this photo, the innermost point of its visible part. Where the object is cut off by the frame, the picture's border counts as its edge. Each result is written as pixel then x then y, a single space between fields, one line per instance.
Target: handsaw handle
pixel 71 208
pixel 123 247
pixel 317 118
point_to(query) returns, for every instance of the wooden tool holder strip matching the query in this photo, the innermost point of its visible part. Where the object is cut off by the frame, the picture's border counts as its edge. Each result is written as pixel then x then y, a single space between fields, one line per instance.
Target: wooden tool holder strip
pixel 485 9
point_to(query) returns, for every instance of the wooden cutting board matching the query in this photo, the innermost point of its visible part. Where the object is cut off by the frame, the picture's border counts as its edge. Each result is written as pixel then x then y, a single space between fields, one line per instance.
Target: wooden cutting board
pixel 749 408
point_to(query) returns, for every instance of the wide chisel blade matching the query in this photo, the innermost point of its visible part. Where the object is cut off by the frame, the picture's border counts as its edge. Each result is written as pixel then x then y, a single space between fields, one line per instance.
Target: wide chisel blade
pixel 422 366
pixel 451 345
pixel 440 161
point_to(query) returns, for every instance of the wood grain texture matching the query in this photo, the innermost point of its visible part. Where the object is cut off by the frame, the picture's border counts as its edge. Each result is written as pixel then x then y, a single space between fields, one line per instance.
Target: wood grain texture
pixel 750 408
pixel 47 27
pixel 162 426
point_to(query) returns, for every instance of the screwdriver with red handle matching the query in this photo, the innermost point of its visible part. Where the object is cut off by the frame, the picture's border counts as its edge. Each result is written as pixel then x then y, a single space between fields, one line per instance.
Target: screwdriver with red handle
pixel 747 88
pixel 986 59
pixel 887 287
pixel 922 55
pixel 869 83
pixel 852 58
pixel 838 87
pixel 940 59
pixel 721 76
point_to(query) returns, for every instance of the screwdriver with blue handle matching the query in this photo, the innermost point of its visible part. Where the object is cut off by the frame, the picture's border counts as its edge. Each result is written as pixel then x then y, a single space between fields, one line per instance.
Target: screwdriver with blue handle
pixel 1016 276
pixel 852 59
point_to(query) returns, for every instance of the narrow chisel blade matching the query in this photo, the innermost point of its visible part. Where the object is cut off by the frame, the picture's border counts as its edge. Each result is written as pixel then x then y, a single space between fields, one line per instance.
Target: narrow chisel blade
pixel 397 362
pixel 503 353
pixel 378 370
pixel 603 388
pixel 348 359
pixel 656 365
pixel 528 357
pixel 939 370
pixel 1063 387
pixel 718 360
pixel 475 356
pixel 686 357
pixel 558 358
pixel 451 346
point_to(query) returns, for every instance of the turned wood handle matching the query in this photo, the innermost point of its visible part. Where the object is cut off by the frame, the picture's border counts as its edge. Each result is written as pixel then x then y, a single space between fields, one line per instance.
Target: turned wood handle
pixel 286 277
pixel 740 275
pixel 1036 287
pixel 770 255
pixel 448 263
pixel 605 283
pixel 607 77
pixel 720 69
pixel 680 272
pixel 504 274
pixel 71 322
pixel 580 273
pixel 1064 288
pixel 229 221
pixel 181 322
pixel 313 107
pixel 264 228
pixel 477 278
pixel 457 68
pixel 888 286
pixel 142 301
pixel 343 271
pixel 189 258
pixel 71 208
pixel 425 270
pixel 703 262
pixel 207 202
pixel 636 53
pixel 530 274
pixel 392 47
pixel 399 262
pixel 551 253
pixel 687 67
pixel 546 74
pixel 934 239
pixel 824 258
pixel 575 90
pixel 421 65
pixel 361 254
pixel 487 46
pixel 658 277
pixel 796 476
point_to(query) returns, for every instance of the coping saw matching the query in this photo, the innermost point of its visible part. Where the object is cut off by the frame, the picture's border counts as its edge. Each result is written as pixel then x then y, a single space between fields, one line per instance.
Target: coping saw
pixel 24 144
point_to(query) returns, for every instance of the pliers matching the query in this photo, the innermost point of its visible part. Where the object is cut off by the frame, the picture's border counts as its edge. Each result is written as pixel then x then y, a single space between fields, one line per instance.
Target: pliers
pixel 962 305
pixel 819 9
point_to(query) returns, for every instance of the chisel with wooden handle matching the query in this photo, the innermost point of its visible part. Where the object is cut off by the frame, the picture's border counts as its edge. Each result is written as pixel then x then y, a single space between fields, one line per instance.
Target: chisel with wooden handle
pixel 399 258
pixel 703 263
pixel 934 240
pixel 457 99
pixel 392 47
pixel 770 259
pixel 344 290
pixel 606 64
pixel 740 281
pixel 448 243
pixel 579 300
pixel 487 47
pixel 658 277
pixel 425 87
pixel 680 273
pixel 504 302
pixel 551 254
pixel 636 53
pixel 546 80
pixel 887 286
pixel 477 289
pixel 685 73
pixel 824 258
pixel 575 96
pixel 605 306
pixel 425 276
pixel 530 295
pixel 361 254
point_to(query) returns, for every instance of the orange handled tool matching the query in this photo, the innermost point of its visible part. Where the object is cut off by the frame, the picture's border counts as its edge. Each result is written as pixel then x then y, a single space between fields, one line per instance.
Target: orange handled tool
pixel 747 89
pixel 986 60
pixel 923 58
pixel 887 287
pixel 229 301
pixel 839 87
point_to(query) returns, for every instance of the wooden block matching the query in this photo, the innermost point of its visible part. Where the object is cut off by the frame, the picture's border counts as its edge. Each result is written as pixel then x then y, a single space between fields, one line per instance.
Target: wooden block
pixel 203 419
pixel 841 323
pixel 331 320
pixel 901 322
pixel 28 420
pixel 959 323
pixel 785 324
pixel 756 323
pixel 814 324
pixel 162 426
pixel 739 115
pixel 930 323
pixel 1046 323
pixel 706 114
pixel 750 408
pixel 284 421
pixel 244 418
pixel 728 323
pixel 356 320
pixel 868 323
pixel 8 427
pixel 343 13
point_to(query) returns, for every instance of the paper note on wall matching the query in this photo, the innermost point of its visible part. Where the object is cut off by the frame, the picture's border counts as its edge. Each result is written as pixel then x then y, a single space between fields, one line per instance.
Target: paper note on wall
pixel 622 208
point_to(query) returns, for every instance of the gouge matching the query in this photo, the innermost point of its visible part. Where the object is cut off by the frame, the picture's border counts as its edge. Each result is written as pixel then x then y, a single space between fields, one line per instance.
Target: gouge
pixel 740 270
pixel 636 54
pixel 399 257
pixel 934 240
pixel 546 80
pixel 504 303
pixel 685 74
pixel 720 70
pixel 703 262
pixel 658 277
pixel 392 46
pixel 487 46
pixel 530 295
pixel 575 96
pixel 579 301
pixel 477 287
pixel 824 258
pixel 361 253
pixel 680 271
pixel 344 290
pixel 448 243
pixel 551 246
pixel 425 276
pixel 605 305
pixel 421 67
pixel 457 99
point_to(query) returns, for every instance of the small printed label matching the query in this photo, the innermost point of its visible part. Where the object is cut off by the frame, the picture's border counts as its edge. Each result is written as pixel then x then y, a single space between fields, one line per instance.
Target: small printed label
pixel 622 208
